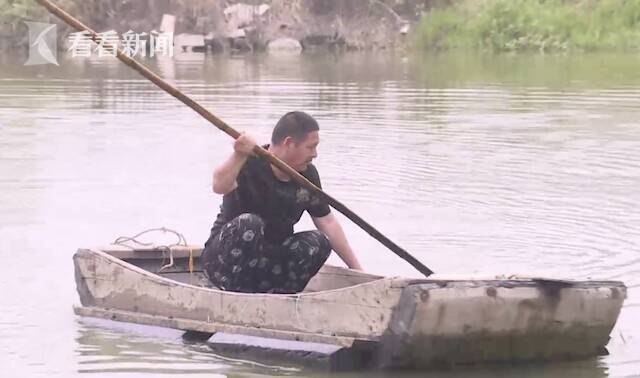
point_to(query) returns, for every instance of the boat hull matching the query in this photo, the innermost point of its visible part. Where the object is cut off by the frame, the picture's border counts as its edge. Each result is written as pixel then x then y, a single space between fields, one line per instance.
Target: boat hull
pixel 392 322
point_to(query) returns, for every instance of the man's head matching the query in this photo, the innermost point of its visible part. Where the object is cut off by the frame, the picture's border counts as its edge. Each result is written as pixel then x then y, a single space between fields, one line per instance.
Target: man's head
pixel 295 139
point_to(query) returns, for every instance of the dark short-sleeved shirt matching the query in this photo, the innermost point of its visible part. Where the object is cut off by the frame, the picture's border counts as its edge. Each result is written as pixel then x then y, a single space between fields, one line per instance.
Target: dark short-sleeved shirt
pixel 280 204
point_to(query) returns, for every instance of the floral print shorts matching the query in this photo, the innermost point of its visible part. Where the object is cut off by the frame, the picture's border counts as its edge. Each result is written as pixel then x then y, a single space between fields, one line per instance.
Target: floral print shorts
pixel 239 259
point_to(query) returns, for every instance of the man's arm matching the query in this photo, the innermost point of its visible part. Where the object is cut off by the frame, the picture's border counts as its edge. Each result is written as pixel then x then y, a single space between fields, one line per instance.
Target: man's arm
pixel 224 176
pixel 330 226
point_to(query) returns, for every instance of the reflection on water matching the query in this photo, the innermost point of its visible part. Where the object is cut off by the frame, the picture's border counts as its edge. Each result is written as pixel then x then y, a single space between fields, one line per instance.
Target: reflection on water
pixel 475 164
pixel 106 347
pixel 110 347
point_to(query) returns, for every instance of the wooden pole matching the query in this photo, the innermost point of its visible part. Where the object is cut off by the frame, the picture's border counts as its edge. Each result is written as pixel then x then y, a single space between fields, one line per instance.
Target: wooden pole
pixel 261 152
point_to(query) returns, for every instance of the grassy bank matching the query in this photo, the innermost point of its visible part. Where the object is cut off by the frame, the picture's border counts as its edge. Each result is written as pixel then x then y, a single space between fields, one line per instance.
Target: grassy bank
pixel 542 25
pixel 12 12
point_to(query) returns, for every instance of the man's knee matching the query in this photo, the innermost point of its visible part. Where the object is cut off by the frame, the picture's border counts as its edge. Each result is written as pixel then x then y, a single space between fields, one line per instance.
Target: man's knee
pixel 250 220
pixel 322 238
pixel 323 242
pixel 247 227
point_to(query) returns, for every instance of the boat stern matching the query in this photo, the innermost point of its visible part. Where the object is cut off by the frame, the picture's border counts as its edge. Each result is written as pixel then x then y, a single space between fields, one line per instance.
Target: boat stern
pixel 465 322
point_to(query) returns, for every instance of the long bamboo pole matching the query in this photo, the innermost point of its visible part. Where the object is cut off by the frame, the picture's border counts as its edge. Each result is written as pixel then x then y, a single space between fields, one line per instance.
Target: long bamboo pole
pixel 261 152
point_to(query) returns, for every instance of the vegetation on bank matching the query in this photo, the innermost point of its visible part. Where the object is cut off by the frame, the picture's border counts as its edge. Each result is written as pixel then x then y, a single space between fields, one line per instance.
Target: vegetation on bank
pixel 521 25
pixel 481 25
pixel 14 11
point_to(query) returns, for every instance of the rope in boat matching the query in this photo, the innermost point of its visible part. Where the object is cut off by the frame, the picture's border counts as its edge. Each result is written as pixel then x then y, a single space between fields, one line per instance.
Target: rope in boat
pixel 122 240
pixel 182 242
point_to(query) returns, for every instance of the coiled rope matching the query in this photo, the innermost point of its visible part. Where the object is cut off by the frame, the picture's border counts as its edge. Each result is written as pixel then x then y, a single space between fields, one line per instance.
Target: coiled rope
pixel 125 241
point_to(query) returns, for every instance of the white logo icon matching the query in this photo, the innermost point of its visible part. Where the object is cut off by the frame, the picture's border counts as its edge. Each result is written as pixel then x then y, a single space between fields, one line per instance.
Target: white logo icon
pixel 43 44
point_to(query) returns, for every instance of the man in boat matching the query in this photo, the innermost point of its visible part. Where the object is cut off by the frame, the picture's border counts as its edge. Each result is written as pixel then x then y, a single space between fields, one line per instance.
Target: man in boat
pixel 252 247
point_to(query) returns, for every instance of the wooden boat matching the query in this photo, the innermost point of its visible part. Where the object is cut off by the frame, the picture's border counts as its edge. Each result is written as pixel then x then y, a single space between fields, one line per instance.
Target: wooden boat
pixel 356 319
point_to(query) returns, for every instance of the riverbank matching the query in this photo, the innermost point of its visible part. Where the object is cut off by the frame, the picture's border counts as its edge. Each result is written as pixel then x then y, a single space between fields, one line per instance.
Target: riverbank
pixel 530 25
pixel 233 26
pixel 246 26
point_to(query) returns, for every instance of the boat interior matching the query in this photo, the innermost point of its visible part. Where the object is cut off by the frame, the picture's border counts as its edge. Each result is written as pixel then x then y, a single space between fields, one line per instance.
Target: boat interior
pixel 182 264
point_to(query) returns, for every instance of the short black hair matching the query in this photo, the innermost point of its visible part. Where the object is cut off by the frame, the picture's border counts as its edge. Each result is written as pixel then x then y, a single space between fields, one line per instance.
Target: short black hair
pixel 294 124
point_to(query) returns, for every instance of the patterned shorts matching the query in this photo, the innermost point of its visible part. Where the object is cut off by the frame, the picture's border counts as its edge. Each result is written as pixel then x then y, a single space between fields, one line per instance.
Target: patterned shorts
pixel 239 259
